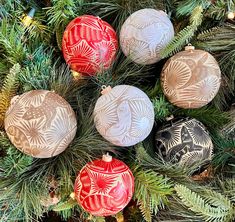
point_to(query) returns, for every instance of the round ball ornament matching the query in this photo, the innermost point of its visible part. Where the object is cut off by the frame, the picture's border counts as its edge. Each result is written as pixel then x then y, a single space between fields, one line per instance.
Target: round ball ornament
pixel 89 45
pixel 40 123
pixel 124 115
pixel 104 187
pixel 144 34
pixel 191 78
pixel 184 141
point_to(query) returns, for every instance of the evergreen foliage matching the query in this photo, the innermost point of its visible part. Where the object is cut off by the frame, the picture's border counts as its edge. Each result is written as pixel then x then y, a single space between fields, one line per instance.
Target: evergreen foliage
pixel 151 191
pixel 8 90
pixel 215 207
pixel 185 35
pixel 31 58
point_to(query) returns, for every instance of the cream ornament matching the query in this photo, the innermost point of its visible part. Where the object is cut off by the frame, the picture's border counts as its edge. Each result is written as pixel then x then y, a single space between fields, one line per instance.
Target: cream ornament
pixel 191 78
pixel 124 115
pixel 40 123
pixel 144 34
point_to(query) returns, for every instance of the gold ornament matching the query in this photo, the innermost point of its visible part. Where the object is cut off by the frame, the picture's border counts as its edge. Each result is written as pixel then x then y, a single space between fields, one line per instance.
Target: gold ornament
pixel 40 123
pixel 191 78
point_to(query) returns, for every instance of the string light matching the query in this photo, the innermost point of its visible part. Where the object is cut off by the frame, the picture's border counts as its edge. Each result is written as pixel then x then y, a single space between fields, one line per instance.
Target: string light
pixel 231 15
pixel 28 19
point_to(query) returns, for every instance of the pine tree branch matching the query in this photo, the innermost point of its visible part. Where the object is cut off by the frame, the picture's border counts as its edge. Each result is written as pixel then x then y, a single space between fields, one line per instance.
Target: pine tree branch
pixel 151 191
pixel 210 116
pixel 185 35
pixel 8 90
pixel 62 12
pixel 119 10
pixel 11 42
pixel 185 7
pixel 208 208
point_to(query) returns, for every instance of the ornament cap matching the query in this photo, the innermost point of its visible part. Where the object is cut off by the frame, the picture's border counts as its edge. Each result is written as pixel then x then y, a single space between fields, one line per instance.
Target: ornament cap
pixel 189 47
pixel 107 158
pixel 105 89
pixel 168 118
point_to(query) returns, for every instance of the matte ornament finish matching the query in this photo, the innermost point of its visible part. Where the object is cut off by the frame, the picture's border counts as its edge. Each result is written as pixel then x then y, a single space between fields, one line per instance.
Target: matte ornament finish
pixel 191 79
pixel 104 188
pixel 185 141
pixel 144 34
pixel 124 116
pixel 89 44
pixel 40 123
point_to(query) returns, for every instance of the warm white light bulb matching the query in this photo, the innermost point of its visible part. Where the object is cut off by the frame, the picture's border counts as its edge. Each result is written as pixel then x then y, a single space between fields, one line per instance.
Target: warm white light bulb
pixel 231 15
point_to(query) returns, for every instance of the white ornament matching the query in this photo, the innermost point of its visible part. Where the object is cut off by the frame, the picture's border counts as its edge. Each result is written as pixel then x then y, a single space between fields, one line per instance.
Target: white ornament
pixel 124 115
pixel 144 34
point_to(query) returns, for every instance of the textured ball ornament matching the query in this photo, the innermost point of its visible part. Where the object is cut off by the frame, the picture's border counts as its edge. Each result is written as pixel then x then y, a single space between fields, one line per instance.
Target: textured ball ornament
pixel 104 187
pixel 40 123
pixel 144 34
pixel 191 78
pixel 89 45
pixel 185 141
pixel 124 115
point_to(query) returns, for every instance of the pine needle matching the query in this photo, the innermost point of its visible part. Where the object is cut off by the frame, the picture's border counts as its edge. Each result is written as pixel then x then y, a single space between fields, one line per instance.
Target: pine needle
pixel 151 191
pixel 185 35
pixel 8 90
pixel 216 208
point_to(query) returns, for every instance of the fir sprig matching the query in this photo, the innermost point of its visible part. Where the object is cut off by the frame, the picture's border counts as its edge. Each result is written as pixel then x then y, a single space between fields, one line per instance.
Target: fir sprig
pixel 8 90
pixel 216 208
pixel 210 116
pixel 185 35
pixel 151 191
pixel 119 10
pixel 11 42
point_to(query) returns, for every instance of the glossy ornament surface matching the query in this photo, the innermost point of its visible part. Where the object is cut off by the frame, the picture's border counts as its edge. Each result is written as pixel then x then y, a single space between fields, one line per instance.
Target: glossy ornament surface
pixel 104 187
pixel 185 141
pixel 40 123
pixel 191 78
pixel 144 34
pixel 89 45
pixel 124 115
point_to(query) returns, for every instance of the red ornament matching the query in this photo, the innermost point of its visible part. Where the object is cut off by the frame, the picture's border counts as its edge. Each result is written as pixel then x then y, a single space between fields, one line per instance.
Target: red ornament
pixel 89 44
pixel 104 187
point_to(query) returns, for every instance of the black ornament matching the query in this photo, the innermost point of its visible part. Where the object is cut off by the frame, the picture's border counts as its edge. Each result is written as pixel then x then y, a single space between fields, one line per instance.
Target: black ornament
pixel 184 141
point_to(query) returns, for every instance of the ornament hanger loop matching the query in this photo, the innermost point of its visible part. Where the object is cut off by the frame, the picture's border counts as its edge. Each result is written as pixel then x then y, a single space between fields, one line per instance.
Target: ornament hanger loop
pixel 189 47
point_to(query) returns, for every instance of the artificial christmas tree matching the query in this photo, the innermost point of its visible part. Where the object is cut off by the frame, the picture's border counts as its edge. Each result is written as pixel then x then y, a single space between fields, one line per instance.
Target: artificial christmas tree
pixel 31 52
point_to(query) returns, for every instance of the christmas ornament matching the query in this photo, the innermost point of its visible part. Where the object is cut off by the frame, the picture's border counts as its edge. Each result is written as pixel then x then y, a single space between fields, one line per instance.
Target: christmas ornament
pixel 144 34
pixel 185 141
pixel 40 123
pixel 104 187
pixel 191 78
pixel 89 45
pixel 124 115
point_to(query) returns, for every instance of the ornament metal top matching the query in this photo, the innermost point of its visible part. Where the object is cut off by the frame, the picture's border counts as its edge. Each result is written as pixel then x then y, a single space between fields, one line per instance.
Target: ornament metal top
pixel 191 78
pixel 144 34
pixel 124 115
